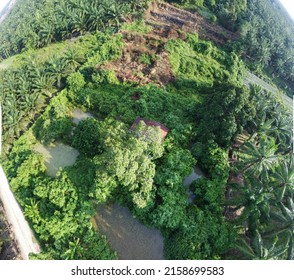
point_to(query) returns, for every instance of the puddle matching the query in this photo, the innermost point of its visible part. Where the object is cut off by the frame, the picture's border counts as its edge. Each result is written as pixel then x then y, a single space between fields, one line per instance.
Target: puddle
pixel 79 115
pixel 128 236
pixel 57 156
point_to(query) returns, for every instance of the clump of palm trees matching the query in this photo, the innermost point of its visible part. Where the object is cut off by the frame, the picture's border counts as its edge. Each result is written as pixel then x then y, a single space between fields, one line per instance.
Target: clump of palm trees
pixel 265 195
pixel 35 24
pixel 25 91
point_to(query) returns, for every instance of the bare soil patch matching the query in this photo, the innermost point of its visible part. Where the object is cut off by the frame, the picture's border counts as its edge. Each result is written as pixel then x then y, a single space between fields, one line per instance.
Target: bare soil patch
pixel 130 66
pixel 166 18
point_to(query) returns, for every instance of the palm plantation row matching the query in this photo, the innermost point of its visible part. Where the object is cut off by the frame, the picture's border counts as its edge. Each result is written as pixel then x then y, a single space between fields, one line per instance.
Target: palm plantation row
pixel 55 21
pixel 265 161
pixel 26 89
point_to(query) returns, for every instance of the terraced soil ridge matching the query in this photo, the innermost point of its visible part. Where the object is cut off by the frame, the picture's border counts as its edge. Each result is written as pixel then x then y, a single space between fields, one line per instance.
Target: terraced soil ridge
pixel 166 18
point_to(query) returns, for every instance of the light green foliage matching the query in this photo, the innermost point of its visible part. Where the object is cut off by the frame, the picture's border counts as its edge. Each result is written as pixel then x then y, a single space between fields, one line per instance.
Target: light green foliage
pixel 198 63
pixel 146 59
pixel 189 2
pixel 171 195
pixel 105 77
pixel 127 161
pixel 58 209
pixel 86 137
pixel 55 124
pixel 76 81
pixel 33 166
pixel 137 26
pixel 108 48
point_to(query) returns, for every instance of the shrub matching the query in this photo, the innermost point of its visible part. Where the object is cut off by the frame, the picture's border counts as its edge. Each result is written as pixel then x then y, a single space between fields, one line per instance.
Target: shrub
pixel 87 137
pixel 105 77
pixel 51 130
pixel 146 59
pixel 76 81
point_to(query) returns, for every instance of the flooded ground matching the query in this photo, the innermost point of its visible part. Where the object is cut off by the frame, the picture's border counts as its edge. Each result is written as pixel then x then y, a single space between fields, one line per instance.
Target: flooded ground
pixel 79 115
pixel 195 174
pixel 57 156
pixel 130 238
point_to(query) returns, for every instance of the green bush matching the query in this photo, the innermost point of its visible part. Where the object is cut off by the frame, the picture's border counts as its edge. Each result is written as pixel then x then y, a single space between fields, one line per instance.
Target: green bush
pixel 209 193
pixel 51 130
pixel 203 236
pixel 105 77
pixel 146 59
pixel 86 137
pixel 138 26
pixel 76 81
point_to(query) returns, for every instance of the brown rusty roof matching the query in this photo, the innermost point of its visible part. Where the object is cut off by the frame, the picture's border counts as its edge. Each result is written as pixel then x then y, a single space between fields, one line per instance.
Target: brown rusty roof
pixel 164 129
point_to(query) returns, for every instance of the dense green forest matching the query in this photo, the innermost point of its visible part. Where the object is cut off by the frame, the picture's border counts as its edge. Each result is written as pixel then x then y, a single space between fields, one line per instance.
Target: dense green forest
pixel 70 54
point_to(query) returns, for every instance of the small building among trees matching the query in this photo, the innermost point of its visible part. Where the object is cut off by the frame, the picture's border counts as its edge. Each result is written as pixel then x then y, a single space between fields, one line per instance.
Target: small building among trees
pixel 142 127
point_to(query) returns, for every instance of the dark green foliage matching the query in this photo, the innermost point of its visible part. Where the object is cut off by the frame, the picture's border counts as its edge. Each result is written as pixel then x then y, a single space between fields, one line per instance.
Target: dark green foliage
pixel 86 137
pixel 171 197
pixel 76 81
pixel 223 114
pixel 213 159
pixel 202 236
pixel 93 246
pixel 267 41
pixel 55 124
pixel 209 193
pixel 51 131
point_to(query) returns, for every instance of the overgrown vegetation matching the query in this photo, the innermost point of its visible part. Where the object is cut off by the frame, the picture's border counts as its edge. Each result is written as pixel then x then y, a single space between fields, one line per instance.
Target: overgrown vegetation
pixel 266 41
pixel 240 137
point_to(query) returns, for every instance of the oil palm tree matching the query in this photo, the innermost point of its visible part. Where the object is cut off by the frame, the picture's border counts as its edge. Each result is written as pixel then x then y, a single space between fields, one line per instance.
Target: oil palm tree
pixel 44 84
pixel 283 215
pixel 255 199
pixel 256 248
pixel 283 179
pixel 258 159
pixel 73 59
pixel 57 68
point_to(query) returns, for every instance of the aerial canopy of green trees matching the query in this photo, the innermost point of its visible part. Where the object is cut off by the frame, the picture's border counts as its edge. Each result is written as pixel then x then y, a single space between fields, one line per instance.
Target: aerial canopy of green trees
pixel 206 108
